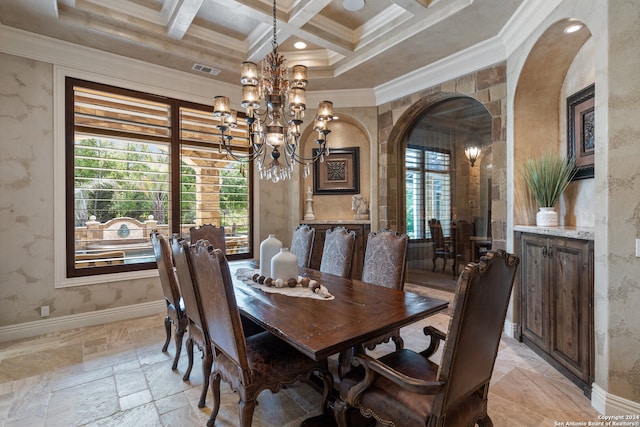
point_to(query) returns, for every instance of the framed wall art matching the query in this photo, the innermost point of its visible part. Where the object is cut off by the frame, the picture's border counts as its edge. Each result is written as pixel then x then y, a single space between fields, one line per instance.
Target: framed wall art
pixel 580 128
pixel 339 173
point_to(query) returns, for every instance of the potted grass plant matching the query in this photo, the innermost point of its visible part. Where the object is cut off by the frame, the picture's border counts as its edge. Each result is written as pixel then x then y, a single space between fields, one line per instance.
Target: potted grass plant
pixel 546 178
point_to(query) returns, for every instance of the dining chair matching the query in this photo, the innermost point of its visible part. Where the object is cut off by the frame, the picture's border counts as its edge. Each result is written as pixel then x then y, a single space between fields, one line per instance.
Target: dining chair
pixel 175 308
pixel 248 364
pixel 441 245
pixel 302 244
pixel 198 332
pixel 385 265
pixel 462 246
pixel 407 389
pixel 209 232
pixel 337 252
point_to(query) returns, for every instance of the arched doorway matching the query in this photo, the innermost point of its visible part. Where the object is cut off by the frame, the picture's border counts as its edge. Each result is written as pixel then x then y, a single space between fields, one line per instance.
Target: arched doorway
pixel 443 180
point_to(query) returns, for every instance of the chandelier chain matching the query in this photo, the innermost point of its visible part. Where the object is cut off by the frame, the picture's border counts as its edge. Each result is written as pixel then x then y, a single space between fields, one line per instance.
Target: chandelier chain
pixel 274 42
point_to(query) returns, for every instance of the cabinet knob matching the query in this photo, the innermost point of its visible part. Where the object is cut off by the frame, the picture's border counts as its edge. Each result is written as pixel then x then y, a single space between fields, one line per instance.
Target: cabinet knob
pixel 544 251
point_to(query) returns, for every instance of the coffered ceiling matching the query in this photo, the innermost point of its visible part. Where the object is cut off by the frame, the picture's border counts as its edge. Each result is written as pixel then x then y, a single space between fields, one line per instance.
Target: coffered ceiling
pixel 383 41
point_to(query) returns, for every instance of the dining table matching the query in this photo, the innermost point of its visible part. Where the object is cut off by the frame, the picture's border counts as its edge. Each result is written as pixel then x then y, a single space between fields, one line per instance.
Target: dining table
pixel 355 312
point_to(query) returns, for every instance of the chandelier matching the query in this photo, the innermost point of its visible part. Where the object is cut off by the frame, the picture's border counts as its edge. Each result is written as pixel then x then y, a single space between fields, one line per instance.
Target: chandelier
pixel 274 107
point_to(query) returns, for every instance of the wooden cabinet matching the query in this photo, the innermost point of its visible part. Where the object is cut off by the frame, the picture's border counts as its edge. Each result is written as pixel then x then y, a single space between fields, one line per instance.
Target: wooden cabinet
pixel 362 233
pixel 556 303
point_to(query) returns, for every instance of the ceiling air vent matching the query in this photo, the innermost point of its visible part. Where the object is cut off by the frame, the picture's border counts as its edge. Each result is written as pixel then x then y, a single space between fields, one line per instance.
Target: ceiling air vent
pixel 206 69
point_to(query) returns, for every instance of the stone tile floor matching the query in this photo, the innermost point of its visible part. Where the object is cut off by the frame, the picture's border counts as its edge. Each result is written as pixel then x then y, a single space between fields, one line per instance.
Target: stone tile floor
pixel 116 375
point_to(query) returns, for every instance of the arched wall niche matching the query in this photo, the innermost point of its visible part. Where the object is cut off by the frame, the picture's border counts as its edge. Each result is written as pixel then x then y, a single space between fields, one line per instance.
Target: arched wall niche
pixel 540 113
pixel 488 87
pixel 346 131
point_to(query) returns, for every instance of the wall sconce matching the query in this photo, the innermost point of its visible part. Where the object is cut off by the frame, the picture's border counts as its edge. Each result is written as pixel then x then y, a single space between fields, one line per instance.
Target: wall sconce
pixel 472 153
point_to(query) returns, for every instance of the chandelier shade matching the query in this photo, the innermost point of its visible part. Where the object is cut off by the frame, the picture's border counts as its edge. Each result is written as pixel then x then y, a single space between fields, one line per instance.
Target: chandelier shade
pixel 274 110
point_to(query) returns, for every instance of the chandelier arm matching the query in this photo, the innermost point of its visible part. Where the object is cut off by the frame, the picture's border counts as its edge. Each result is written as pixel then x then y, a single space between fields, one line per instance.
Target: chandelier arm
pixel 240 158
pixel 225 142
pixel 292 152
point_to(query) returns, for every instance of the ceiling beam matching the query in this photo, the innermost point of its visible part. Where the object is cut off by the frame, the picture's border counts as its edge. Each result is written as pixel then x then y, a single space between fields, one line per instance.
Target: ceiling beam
pixel 182 18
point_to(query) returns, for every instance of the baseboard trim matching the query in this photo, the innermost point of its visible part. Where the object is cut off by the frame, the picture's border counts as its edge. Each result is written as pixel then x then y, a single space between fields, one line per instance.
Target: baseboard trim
pixel 610 404
pixel 56 324
pixel 511 329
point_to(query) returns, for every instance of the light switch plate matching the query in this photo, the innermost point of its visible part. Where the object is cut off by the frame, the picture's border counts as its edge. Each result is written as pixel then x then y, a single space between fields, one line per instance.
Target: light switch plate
pixel 638 248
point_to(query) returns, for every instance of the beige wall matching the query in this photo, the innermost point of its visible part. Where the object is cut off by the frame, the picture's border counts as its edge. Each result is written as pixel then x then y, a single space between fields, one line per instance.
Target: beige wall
pixel 27 207
pixel 611 201
pixel 617 200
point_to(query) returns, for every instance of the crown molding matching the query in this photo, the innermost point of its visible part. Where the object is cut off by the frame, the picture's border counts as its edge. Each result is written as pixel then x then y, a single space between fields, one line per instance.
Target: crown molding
pixel 524 22
pixel 343 98
pixel 153 77
pixel 529 16
pixel 473 58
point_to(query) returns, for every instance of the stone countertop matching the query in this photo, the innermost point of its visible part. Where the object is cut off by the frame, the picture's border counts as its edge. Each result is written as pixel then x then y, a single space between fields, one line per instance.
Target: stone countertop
pixel 584 233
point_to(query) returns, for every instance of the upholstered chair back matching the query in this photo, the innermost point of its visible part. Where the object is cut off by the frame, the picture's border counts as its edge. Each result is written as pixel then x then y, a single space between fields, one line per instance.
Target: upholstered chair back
pixel 385 259
pixel 302 244
pixel 337 253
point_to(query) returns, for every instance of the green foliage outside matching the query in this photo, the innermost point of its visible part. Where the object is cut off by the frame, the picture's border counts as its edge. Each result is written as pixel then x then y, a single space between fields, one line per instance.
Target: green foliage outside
pixel 126 179
pixel 234 198
pixel 120 179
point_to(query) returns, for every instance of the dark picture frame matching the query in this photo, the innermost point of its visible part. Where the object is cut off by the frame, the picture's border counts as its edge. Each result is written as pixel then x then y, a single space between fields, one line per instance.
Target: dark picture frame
pixel 580 131
pixel 339 173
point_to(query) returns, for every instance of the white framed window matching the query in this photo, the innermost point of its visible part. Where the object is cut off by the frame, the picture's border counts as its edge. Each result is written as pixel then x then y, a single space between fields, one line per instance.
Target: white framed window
pixel 427 190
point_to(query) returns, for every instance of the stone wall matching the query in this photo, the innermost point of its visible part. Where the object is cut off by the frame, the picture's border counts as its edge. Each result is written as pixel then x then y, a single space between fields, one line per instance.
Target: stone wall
pixel 488 86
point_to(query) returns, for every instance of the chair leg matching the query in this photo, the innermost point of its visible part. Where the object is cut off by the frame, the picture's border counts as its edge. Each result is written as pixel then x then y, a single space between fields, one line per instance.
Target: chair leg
pixel 215 391
pixel 167 328
pixel 190 358
pixel 340 412
pixel 207 363
pixel 179 335
pixel 246 412
pixel 327 381
pixel 434 264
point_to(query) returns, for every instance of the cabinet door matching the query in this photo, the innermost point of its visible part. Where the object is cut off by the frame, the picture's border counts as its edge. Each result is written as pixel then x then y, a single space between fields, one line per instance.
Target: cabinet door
pixel 534 289
pixel 569 275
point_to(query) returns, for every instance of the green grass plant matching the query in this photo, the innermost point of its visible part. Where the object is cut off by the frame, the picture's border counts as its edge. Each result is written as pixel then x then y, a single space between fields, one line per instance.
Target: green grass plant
pixel 547 177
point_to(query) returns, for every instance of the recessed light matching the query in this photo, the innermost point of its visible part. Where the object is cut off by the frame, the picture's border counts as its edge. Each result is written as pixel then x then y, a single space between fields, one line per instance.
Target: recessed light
pixel 572 28
pixel 300 45
pixel 353 5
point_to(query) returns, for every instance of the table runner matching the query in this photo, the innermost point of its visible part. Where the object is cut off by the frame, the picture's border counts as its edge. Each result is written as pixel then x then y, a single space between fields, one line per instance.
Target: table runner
pixel 246 276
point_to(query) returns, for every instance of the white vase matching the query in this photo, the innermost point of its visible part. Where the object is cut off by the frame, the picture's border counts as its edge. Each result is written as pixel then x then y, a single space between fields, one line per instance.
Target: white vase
pixel 547 217
pixel 268 249
pixel 284 265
